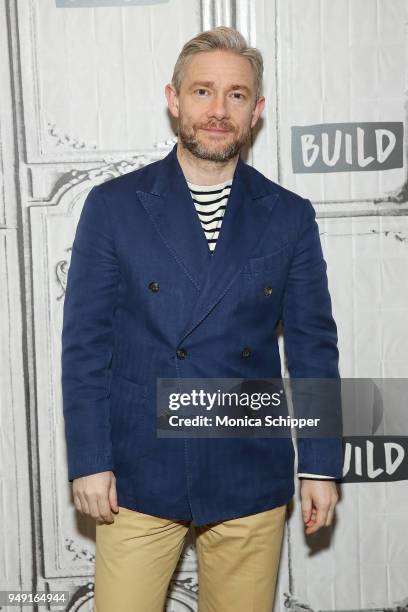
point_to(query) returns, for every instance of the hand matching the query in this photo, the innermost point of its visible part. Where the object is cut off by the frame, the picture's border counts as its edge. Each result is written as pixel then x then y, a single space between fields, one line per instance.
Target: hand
pixel 96 495
pixel 319 498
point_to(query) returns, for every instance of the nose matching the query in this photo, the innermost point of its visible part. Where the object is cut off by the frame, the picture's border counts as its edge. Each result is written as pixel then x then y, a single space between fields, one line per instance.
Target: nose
pixel 218 107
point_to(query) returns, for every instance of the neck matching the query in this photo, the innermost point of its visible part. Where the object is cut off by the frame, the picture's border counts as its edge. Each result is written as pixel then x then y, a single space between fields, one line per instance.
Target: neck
pixel 203 171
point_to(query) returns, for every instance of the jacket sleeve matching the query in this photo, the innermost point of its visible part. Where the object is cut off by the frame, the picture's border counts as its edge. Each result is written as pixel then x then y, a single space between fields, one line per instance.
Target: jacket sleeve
pixel 310 337
pixel 87 340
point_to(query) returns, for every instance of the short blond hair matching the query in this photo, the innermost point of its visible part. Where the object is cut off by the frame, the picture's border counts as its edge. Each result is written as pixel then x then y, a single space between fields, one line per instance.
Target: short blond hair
pixel 221 37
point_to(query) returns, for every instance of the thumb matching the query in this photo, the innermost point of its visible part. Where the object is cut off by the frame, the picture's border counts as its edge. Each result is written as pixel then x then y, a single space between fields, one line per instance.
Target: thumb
pixel 113 499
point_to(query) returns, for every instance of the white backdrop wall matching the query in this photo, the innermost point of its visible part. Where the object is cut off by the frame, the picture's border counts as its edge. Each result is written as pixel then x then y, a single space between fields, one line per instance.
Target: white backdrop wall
pixel 82 100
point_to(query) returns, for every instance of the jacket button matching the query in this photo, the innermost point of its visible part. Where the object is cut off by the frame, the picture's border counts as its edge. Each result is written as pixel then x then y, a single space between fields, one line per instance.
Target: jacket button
pixel 181 353
pixel 267 290
pixel 246 352
pixel 153 286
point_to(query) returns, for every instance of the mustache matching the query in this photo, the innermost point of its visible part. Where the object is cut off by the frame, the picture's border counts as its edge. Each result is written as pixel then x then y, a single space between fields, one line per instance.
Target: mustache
pixel 222 126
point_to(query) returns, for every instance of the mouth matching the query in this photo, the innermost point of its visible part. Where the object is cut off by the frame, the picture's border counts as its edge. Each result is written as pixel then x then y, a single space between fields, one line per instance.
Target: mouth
pixel 215 130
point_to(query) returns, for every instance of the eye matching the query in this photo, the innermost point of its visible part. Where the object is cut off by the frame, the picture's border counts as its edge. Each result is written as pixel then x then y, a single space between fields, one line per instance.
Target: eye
pixel 236 93
pixel 201 90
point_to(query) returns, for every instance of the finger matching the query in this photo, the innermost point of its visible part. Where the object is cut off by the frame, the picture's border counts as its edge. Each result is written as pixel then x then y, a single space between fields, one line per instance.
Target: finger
pixel 330 515
pixel 113 498
pixel 312 519
pixel 93 507
pixel 306 508
pixel 104 509
pixel 311 529
pixel 77 503
pixel 84 503
pixel 319 519
pixel 322 513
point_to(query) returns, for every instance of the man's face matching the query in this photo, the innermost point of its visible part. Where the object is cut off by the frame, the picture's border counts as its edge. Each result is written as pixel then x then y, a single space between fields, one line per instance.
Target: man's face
pixel 216 106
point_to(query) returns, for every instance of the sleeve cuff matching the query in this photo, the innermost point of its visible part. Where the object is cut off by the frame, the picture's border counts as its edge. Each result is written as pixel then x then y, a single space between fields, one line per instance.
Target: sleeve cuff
pixel 315 476
pixel 91 465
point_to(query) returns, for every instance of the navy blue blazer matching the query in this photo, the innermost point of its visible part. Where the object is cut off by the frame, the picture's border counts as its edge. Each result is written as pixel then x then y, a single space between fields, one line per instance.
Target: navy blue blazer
pixel 146 299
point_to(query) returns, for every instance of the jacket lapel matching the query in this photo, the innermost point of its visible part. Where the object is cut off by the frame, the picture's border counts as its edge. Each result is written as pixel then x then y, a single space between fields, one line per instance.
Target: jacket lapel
pixel 168 202
pixel 246 218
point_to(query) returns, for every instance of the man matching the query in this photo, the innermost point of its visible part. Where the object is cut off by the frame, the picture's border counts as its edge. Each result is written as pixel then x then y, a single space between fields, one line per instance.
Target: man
pixel 183 269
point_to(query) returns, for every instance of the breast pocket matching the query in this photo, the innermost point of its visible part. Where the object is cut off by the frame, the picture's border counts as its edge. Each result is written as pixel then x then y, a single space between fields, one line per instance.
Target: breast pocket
pixel 128 422
pixel 267 273
pixel 273 262
pixel 262 284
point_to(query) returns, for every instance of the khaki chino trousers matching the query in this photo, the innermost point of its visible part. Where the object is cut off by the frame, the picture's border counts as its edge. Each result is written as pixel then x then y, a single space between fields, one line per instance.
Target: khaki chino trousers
pixel 238 561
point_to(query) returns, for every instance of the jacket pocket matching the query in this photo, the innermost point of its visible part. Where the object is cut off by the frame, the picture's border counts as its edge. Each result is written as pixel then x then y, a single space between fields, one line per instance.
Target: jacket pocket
pixel 274 261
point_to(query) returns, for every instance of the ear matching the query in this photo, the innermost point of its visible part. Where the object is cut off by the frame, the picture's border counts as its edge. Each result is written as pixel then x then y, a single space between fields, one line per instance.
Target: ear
pixel 172 99
pixel 256 113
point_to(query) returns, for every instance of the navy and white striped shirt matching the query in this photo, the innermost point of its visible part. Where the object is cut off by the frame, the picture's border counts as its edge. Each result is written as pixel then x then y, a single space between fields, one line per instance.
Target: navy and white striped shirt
pixel 210 202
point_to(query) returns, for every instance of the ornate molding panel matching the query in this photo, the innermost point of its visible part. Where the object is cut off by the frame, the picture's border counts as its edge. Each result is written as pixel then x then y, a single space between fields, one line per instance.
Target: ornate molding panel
pixel 327 71
pixel 91 85
pixel 65 140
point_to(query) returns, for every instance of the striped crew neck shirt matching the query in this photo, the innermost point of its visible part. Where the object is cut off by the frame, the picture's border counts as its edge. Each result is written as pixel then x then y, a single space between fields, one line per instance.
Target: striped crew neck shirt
pixel 210 202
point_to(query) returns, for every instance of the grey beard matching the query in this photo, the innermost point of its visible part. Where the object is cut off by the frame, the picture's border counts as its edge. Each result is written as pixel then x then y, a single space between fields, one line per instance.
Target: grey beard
pixel 198 150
